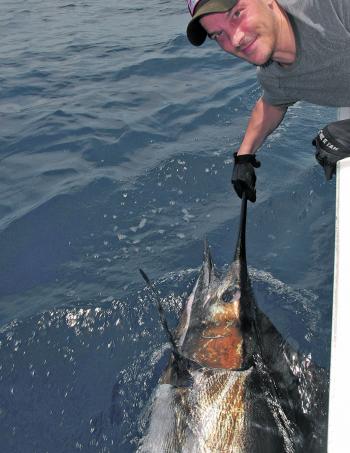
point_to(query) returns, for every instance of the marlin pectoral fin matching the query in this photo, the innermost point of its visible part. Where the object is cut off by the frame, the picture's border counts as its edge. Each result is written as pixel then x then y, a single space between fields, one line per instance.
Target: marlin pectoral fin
pixel 208 262
pixel 205 278
pixel 207 266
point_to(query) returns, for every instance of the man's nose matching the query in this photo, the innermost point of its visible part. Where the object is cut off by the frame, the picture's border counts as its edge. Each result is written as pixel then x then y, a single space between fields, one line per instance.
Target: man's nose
pixel 237 38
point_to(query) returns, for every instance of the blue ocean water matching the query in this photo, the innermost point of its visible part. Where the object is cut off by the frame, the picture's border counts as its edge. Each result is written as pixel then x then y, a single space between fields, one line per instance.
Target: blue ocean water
pixel 116 153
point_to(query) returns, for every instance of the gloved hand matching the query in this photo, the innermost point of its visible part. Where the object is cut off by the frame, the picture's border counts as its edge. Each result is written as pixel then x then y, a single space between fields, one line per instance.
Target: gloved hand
pixel 243 175
pixel 332 144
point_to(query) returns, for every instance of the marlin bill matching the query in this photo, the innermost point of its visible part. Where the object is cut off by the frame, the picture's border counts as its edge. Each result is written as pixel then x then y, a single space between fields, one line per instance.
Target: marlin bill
pixel 231 384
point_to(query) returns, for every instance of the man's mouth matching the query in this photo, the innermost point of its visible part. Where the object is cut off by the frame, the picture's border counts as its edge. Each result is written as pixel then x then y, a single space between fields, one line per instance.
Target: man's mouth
pixel 247 48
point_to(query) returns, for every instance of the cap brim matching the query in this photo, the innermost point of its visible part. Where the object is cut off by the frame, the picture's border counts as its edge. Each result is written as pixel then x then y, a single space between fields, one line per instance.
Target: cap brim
pixel 195 32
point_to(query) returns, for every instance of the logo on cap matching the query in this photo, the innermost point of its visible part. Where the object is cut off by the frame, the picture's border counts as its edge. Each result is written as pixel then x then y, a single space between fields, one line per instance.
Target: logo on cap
pixel 192 5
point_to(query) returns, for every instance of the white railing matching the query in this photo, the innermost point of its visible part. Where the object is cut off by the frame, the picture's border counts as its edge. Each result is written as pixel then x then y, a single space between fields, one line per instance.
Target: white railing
pixel 339 397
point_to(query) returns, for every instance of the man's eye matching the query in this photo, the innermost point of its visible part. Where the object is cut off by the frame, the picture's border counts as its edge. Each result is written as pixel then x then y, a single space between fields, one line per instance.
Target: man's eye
pixel 215 36
pixel 235 14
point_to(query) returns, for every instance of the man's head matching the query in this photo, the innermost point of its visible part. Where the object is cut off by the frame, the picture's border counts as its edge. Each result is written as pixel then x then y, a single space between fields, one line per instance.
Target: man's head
pixel 249 29
pixel 199 8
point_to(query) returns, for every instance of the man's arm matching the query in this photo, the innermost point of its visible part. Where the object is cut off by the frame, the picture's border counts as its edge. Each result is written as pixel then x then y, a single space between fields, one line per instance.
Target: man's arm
pixel 264 119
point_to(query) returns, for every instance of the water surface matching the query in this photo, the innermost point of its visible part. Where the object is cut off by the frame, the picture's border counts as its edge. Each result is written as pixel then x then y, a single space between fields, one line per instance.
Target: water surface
pixel 116 153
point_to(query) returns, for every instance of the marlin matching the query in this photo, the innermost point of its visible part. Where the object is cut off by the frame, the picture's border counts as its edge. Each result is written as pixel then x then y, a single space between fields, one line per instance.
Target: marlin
pixel 229 386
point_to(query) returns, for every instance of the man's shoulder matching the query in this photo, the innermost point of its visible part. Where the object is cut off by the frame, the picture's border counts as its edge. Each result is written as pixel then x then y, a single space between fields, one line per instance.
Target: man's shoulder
pixel 324 11
pixel 300 7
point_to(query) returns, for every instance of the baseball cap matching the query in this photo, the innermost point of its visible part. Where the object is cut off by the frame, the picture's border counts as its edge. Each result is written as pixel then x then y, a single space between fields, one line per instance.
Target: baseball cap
pixel 199 8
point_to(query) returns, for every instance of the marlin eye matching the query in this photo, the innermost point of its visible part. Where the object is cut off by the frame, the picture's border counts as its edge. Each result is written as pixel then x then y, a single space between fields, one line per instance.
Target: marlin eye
pixel 227 296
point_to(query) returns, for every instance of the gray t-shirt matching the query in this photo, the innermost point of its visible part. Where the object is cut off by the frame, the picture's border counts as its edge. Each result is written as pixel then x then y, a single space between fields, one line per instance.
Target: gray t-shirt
pixel 321 72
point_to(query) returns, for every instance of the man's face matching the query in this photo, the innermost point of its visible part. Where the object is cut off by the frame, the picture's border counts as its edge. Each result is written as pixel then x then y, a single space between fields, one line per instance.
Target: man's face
pixel 249 30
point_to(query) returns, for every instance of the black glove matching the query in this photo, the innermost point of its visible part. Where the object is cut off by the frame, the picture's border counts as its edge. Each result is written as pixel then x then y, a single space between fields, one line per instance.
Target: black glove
pixel 243 175
pixel 332 144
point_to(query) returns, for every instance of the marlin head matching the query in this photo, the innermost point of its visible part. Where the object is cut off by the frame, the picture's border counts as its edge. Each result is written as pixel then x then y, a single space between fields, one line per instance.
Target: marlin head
pixel 215 329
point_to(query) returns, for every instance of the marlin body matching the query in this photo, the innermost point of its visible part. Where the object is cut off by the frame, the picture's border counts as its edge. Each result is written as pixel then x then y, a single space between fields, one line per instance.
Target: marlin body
pixel 229 386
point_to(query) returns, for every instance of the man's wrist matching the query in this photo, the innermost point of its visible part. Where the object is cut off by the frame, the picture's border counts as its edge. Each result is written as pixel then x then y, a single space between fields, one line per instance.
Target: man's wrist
pixel 242 150
pixel 246 159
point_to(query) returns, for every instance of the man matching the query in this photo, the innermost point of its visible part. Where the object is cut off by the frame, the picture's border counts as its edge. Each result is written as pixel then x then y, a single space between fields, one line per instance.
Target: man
pixel 302 52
